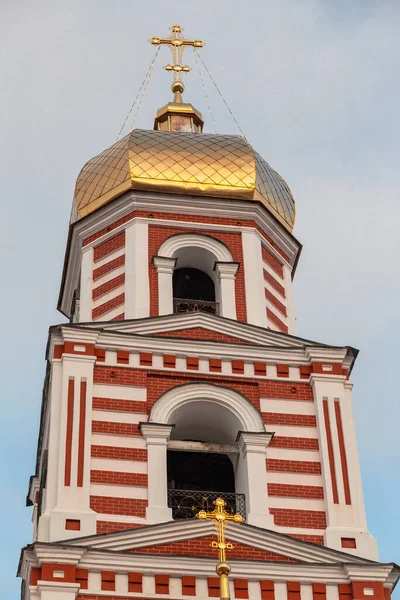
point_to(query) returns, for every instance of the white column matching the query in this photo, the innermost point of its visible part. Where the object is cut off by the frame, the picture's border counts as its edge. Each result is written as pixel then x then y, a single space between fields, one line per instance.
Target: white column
pixel 165 269
pixel 85 294
pixel 137 289
pixel 253 278
pixel 226 273
pixel 252 477
pixel 157 436
pixel 287 274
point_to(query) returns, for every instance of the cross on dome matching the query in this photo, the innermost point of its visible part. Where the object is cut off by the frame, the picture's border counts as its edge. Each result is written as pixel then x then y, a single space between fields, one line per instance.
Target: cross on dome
pixel 177 44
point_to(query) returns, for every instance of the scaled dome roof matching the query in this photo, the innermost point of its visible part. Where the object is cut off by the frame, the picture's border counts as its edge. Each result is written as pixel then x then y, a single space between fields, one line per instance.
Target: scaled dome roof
pixel 199 164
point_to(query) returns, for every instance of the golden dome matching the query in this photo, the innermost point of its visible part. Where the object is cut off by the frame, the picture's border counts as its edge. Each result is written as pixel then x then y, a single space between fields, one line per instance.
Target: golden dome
pixel 198 164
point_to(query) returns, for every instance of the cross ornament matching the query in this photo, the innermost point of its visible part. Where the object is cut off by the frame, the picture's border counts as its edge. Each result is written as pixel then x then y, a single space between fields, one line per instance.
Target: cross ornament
pixel 220 516
pixel 177 44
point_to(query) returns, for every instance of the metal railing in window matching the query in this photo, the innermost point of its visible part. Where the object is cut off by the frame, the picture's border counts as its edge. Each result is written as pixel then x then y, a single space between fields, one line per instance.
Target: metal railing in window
pixel 186 504
pixel 185 305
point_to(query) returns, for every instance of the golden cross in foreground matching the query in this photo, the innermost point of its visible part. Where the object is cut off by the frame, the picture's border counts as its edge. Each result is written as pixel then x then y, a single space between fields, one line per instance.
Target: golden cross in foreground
pixel 220 516
pixel 177 44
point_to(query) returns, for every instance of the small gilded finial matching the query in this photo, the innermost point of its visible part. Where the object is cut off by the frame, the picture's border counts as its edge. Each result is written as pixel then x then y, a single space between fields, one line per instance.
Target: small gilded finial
pixel 177 44
pixel 220 516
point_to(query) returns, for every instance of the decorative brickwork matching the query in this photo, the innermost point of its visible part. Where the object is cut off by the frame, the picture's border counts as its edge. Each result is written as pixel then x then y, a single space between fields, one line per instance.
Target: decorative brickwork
pixel 109 246
pixel 107 505
pixel 117 478
pixel 109 267
pixel 295 491
pixel 200 333
pixel 201 546
pixel 293 466
pixel 288 419
pixel 134 406
pixel 308 519
pixel 119 453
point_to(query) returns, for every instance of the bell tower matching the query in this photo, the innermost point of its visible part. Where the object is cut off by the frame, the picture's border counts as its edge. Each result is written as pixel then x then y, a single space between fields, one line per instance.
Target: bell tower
pixel 179 380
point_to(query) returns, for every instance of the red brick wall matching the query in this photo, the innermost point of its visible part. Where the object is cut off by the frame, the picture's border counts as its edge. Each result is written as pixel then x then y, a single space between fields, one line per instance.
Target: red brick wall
pixel 202 547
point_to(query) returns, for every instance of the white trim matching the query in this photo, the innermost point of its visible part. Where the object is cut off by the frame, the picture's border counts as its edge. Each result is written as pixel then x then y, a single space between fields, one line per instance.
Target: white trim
pixel 253 277
pixel 118 465
pixel 157 437
pixel 165 269
pixel 106 259
pixel 118 416
pixel 137 288
pixel 85 299
pixel 108 277
pixel 168 533
pixel 244 411
pixel 118 491
pixel 100 300
pixel 116 441
pixel 119 392
pixel 185 240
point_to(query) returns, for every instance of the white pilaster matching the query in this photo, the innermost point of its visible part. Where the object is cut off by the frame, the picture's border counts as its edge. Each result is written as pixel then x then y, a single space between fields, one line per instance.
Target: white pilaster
pixel 165 269
pixel 69 501
pixel 343 520
pixel 251 478
pixel 137 289
pixel 291 322
pixel 253 277
pixel 157 437
pixel 85 299
pixel 50 495
pixel 226 273
pixel 52 590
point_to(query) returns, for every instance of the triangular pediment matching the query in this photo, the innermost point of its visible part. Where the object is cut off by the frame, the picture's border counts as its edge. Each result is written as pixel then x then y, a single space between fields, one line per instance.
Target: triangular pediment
pixel 194 538
pixel 218 329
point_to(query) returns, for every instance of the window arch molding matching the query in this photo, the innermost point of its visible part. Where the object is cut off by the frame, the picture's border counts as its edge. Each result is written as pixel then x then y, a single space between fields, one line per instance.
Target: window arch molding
pixel 184 240
pixel 234 402
pixel 222 269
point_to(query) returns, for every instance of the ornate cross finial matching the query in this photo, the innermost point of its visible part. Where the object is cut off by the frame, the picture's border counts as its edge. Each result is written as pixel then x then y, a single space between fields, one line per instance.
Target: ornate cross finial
pixel 177 44
pixel 220 516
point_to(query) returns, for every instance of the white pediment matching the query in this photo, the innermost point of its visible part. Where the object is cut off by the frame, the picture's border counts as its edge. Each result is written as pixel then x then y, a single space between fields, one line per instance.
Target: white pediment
pixel 178 531
pixel 250 334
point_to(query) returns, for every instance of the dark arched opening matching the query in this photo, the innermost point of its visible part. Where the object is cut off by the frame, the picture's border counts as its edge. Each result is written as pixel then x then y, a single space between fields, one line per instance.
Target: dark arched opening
pixel 193 290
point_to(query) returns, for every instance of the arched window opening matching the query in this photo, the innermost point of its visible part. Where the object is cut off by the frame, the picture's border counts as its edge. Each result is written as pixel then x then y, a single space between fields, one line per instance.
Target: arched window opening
pixel 202 459
pixel 193 290
pixel 182 289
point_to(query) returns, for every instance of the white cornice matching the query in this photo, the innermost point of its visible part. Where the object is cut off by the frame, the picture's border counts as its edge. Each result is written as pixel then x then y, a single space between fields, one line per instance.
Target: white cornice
pixel 69 334
pixel 262 344
pixel 377 572
pixel 63 554
pixel 231 327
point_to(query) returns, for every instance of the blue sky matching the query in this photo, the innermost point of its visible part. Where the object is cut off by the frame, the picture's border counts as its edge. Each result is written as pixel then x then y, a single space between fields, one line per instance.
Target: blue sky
pixel 314 86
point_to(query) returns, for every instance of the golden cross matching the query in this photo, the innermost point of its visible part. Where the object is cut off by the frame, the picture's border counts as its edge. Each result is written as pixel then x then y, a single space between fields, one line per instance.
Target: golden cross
pixel 177 44
pixel 220 516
